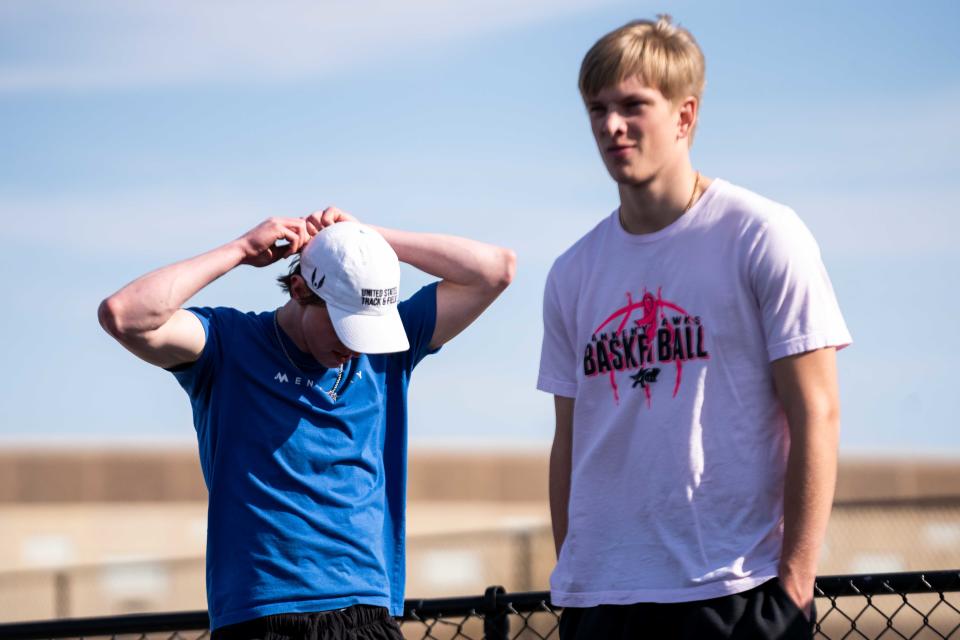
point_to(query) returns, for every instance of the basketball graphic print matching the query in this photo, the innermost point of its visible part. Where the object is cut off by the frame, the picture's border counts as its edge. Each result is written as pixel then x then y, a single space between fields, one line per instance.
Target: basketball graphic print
pixel 642 338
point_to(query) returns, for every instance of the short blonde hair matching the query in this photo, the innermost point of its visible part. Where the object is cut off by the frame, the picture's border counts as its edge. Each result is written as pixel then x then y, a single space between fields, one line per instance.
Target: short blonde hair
pixel 664 55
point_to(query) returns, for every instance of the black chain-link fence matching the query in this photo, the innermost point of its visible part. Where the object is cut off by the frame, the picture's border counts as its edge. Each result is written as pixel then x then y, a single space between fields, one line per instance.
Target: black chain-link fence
pixel 916 605
pixel 863 538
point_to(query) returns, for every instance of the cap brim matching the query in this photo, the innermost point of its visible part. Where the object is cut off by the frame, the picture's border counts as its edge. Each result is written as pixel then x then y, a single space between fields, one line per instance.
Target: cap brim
pixel 369 334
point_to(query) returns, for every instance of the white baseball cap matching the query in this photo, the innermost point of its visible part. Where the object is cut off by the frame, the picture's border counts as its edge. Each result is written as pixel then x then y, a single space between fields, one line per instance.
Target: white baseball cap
pixel 356 272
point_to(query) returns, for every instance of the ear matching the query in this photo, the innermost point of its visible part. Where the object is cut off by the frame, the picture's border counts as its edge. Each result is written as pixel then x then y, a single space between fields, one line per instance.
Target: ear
pixel 299 290
pixel 687 117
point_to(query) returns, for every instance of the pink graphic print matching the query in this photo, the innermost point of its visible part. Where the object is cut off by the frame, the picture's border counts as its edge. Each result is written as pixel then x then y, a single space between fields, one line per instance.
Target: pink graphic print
pixel 653 310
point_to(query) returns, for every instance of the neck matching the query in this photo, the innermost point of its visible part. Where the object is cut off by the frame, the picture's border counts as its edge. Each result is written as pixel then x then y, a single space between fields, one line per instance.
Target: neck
pixel 655 204
pixel 288 317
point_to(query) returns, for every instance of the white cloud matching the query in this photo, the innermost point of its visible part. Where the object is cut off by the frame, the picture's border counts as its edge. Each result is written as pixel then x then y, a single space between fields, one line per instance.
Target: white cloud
pixel 110 43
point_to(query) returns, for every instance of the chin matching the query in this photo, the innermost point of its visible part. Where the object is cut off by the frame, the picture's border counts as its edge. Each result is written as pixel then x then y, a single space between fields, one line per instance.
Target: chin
pixel 629 175
pixel 631 179
pixel 325 360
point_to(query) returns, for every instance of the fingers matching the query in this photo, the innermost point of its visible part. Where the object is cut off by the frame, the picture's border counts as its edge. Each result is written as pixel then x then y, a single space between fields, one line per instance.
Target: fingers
pixel 295 239
pixel 292 231
pixel 338 215
pixel 314 222
pixel 329 216
pixel 285 230
pixel 300 226
pixel 296 232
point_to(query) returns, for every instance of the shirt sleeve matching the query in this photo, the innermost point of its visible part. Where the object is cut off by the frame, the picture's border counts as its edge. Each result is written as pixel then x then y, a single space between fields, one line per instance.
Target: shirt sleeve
pixel 558 353
pixel 196 377
pixel 419 316
pixel 798 307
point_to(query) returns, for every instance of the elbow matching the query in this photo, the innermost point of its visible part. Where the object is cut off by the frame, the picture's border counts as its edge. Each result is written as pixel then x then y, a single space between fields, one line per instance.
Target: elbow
pixel 827 412
pixel 829 427
pixel 507 269
pixel 832 419
pixel 817 423
pixel 110 315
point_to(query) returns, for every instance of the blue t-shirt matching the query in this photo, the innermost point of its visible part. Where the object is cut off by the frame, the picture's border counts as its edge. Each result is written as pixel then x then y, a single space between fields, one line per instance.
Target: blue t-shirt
pixel 307 495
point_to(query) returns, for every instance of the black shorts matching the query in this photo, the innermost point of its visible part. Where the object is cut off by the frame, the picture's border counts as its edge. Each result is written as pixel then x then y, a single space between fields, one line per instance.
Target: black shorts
pixel 764 612
pixel 359 622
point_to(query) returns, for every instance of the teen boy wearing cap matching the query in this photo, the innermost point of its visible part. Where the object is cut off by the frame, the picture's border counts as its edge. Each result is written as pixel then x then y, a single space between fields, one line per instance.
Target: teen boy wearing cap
pixel 689 340
pixel 300 413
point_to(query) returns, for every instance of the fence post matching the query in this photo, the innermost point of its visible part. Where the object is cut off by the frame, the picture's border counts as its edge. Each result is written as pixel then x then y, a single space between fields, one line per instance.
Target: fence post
pixel 524 566
pixel 61 594
pixel 496 623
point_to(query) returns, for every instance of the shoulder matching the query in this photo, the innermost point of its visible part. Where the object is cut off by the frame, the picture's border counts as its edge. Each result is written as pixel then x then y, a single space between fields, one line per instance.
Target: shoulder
pixel 424 298
pixel 418 314
pixel 751 212
pixel 227 314
pixel 228 320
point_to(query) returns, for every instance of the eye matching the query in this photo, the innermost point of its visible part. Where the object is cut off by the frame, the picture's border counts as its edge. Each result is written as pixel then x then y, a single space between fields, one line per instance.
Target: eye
pixel 596 110
pixel 634 106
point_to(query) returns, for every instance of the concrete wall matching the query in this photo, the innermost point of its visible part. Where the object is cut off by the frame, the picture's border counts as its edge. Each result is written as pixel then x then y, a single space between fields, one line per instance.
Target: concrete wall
pixel 173 475
pixel 96 532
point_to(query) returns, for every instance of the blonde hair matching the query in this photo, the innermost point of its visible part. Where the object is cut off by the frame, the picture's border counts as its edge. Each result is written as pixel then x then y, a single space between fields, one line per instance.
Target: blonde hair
pixel 666 56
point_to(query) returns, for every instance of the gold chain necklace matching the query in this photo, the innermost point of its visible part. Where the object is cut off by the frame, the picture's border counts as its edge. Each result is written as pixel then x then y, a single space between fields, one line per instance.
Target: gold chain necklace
pixel 333 391
pixel 696 183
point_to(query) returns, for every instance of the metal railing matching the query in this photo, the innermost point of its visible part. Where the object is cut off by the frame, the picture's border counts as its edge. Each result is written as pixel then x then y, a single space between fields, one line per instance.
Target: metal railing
pixel 911 605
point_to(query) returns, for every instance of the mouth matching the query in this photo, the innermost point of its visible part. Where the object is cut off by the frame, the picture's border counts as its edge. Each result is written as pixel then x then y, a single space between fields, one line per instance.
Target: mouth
pixel 620 150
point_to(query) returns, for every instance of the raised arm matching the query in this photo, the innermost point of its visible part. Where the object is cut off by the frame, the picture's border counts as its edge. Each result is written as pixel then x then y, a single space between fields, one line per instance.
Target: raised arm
pixel 473 275
pixel 145 316
pixel 807 387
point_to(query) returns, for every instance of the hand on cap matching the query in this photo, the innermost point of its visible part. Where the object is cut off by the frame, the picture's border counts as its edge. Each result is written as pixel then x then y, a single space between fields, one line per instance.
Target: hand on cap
pixel 260 246
pixel 329 216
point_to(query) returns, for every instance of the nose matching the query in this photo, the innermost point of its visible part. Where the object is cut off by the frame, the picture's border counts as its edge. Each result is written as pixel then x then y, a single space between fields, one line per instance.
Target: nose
pixel 613 123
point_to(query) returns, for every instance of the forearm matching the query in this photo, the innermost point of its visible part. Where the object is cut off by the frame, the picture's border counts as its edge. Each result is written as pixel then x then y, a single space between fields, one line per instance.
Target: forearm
pixel 561 465
pixel 559 491
pixel 458 260
pixel 808 497
pixel 149 301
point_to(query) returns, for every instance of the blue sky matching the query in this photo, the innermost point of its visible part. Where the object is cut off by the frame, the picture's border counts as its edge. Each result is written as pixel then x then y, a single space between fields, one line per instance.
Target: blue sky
pixel 138 134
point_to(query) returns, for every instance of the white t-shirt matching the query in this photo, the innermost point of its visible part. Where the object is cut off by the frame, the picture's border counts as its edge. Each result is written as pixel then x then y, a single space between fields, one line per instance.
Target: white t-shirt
pixel 679 442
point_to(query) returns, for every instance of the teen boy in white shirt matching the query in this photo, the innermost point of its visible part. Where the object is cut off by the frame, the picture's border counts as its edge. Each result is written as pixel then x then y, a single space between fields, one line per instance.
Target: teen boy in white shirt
pixel 689 341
